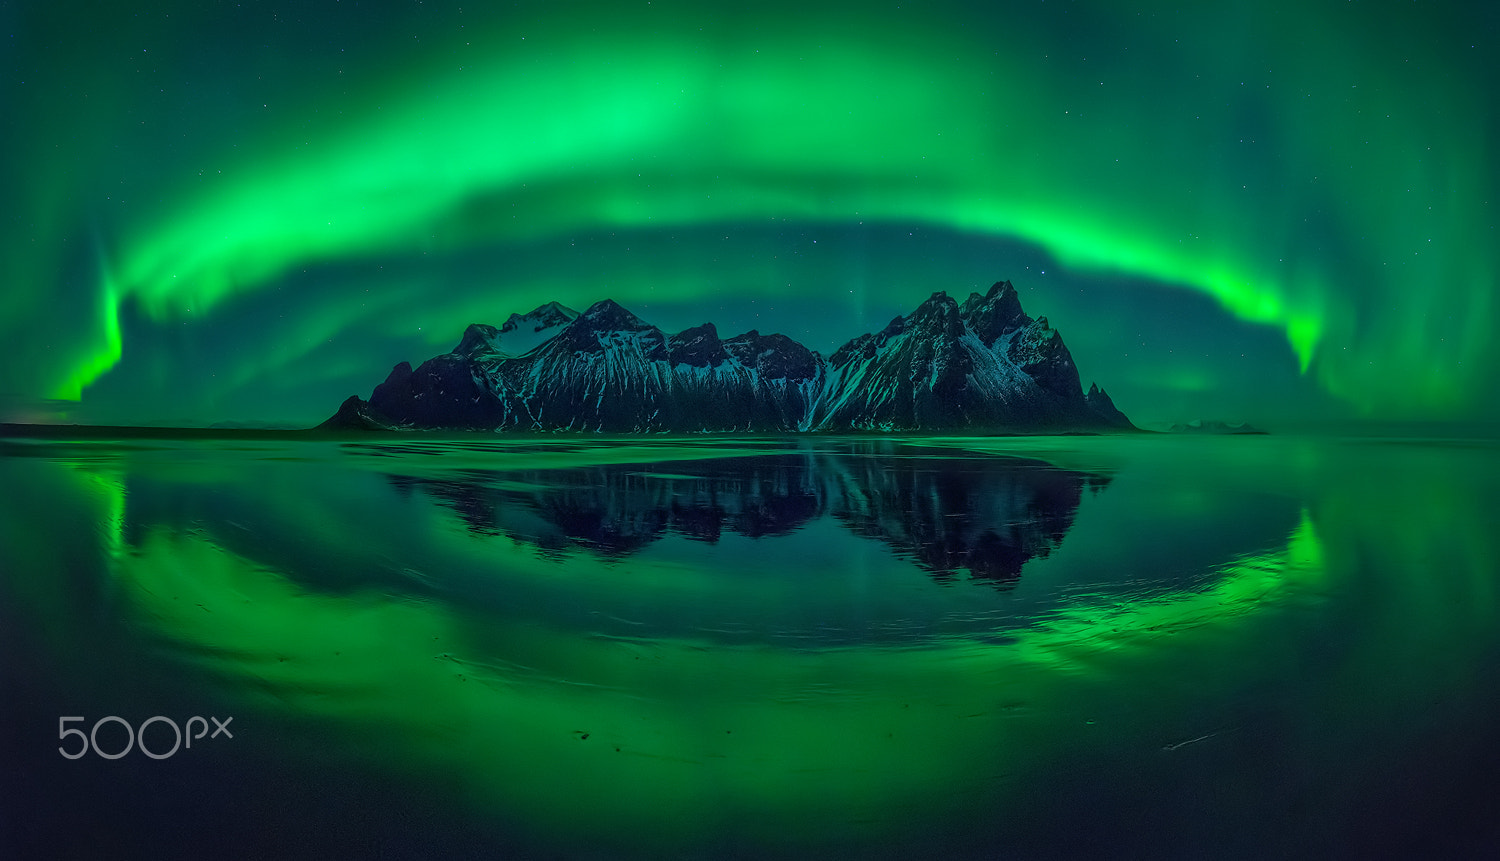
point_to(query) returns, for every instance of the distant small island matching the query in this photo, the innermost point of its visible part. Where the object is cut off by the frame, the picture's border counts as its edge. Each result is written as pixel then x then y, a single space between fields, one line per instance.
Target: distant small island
pixel 1199 426
pixel 982 366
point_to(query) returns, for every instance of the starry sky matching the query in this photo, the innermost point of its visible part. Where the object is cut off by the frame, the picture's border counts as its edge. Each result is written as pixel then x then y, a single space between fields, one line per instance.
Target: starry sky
pixel 1275 212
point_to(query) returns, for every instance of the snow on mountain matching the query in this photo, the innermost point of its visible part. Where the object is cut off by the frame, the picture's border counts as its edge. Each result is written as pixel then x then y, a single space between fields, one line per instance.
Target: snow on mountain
pixel 982 366
pixel 521 333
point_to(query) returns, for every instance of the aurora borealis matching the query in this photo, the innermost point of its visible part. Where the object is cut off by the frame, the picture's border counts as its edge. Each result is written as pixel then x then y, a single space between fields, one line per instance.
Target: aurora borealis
pixel 1273 212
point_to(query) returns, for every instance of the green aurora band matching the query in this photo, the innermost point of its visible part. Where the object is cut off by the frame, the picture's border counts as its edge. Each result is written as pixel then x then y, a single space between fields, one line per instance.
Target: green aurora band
pixel 1323 172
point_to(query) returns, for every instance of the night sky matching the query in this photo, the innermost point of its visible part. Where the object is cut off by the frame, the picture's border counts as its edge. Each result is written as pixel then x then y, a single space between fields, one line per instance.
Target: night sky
pixel 1280 212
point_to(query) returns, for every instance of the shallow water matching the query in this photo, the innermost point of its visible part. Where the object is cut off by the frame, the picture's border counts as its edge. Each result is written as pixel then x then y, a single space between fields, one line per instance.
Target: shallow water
pixel 698 648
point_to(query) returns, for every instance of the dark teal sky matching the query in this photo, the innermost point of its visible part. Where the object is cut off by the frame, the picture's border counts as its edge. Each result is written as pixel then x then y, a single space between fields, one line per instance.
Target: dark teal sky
pixel 1274 212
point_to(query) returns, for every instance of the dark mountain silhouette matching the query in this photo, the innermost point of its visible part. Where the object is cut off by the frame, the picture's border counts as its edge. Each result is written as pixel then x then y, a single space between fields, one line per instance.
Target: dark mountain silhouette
pixel 983 366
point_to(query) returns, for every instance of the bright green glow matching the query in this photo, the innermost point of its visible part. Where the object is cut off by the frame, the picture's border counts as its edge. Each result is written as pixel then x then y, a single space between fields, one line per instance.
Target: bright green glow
pixel 290 648
pixel 1244 587
pixel 672 139
pixel 94 364
pixel 1342 195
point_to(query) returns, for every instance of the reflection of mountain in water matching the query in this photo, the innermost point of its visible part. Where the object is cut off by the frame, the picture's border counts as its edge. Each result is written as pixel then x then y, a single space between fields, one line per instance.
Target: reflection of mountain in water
pixel 987 515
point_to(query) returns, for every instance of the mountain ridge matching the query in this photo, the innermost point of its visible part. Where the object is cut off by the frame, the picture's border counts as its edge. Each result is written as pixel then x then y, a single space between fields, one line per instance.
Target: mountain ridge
pixel 982 366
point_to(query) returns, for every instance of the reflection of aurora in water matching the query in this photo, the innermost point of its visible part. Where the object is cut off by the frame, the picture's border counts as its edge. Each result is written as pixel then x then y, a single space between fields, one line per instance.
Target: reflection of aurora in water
pixel 1276 660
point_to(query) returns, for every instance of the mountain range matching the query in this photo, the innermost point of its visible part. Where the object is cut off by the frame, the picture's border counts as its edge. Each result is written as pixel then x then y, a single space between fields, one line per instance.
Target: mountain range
pixel 980 366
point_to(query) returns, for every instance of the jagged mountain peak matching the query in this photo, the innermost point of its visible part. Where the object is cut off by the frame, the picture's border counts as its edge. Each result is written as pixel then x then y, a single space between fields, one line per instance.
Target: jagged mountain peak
pixel 544 316
pixel 995 314
pixel 519 334
pixel 607 322
pixel 479 338
pixel 354 414
pixel 938 303
pixel 699 346
pixel 938 315
pixel 773 356
pixel 609 315
pixel 555 308
pixel 1104 407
